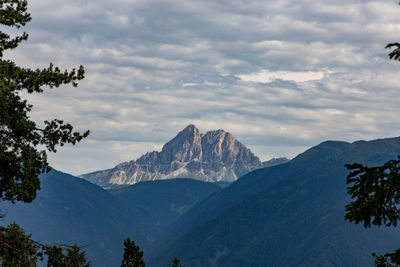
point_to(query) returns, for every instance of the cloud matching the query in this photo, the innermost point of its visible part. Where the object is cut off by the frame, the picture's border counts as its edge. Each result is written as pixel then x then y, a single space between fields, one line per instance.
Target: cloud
pixel 266 76
pixel 279 75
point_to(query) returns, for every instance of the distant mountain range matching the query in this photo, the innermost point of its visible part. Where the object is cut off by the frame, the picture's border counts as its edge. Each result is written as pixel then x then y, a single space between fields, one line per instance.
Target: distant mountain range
pixel 212 157
pixel 70 210
pixel 291 214
pixel 274 162
pixel 287 215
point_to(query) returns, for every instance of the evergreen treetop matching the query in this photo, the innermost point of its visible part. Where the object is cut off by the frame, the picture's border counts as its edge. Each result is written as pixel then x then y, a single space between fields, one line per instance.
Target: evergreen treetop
pixel 133 256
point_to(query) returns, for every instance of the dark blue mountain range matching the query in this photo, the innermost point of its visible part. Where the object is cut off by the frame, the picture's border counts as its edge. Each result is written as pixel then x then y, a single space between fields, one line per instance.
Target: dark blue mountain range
pixel 286 215
pixel 70 210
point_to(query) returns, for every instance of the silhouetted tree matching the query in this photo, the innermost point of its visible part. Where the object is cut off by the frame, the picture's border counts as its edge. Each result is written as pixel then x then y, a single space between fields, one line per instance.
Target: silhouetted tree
pixel 395 53
pixel 22 158
pixel 376 191
pixel 74 257
pixel 133 256
pixel 176 263
pixel 17 249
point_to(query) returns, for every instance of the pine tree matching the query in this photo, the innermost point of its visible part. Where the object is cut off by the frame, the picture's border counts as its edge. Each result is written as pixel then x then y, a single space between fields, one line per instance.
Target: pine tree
pixel 16 247
pixel 133 256
pixel 176 263
pixel 21 160
pixel 74 257
pixel 376 193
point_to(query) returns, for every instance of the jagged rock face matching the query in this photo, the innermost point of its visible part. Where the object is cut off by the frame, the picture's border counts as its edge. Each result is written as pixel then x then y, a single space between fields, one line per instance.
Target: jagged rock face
pixel 214 156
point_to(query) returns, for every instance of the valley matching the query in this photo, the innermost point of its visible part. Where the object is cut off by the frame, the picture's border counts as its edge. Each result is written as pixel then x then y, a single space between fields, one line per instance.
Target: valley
pixel 291 214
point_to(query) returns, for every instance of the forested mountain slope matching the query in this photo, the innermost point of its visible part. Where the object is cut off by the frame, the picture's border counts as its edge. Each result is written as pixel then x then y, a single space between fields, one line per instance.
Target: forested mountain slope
pixel 287 215
pixel 71 210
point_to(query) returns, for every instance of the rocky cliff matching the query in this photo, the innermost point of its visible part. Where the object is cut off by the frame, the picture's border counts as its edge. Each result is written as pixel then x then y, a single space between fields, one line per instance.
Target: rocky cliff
pixel 213 156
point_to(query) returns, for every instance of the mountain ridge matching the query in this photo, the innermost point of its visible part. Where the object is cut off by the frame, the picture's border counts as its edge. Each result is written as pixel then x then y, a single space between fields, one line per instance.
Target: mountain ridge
pixel 288 215
pixel 71 210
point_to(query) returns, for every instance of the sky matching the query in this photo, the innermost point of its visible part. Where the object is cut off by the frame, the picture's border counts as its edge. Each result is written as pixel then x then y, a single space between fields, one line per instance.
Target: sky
pixel 281 76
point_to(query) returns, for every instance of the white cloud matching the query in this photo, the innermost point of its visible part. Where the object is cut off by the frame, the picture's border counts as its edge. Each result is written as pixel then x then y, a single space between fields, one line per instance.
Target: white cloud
pixel 266 76
pixel 95 155
pixel 189 84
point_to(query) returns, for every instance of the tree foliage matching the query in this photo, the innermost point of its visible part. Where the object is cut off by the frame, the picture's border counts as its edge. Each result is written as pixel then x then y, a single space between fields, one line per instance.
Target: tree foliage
pixel 376 194
pixel 395 53
pixel 387 260
pixel 17 249
pixel 133 256
pixel 176 263
pixel 73 257
pixel 376 191
pixel 21 160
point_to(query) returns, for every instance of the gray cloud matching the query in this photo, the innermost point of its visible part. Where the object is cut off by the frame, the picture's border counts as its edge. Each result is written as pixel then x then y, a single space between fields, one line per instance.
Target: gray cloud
pixel 155 66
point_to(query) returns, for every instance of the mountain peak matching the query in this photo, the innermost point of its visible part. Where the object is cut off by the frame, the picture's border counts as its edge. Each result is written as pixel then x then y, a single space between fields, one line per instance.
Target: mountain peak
pixel 213 156
pixel 188 137
pixel 190 128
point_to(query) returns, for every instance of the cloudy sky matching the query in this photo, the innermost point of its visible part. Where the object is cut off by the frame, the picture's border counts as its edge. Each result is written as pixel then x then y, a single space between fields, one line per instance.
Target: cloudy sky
pixel 280 75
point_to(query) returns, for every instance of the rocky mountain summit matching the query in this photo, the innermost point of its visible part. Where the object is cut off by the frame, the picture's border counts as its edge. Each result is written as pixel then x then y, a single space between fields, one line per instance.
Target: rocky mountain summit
pixel 213 156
